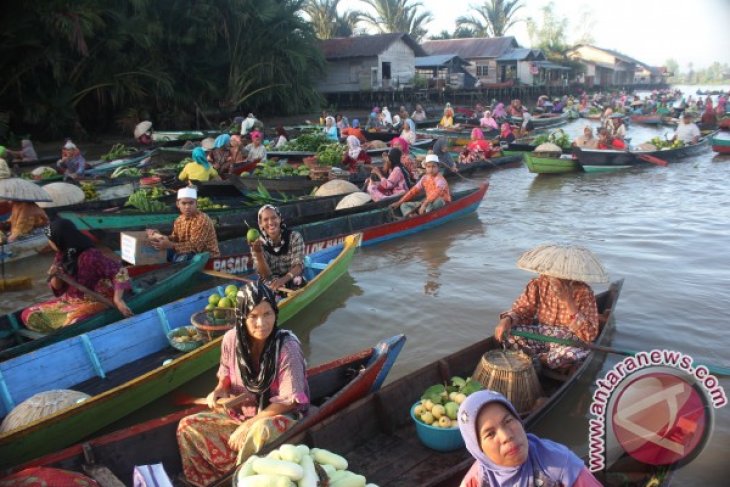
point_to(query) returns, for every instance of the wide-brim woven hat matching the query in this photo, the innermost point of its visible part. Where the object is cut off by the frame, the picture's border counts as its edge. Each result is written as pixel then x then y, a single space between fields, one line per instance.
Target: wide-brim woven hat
pixel 636 103
pixel 40 406
pixel 564 261
pixel 336 186
pixel 142 128
pixel 17 189
pixel 63 194
pixel 4 169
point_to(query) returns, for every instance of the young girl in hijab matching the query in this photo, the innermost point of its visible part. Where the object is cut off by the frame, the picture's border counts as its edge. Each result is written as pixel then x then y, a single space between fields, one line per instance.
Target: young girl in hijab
pixel 199 169
pixel 477 150
pixel 506 456
pixel 278 254
pixel 499 112
pixel 392 180
pixel 355 155
pixel 506 134
pixel 488 122
pixel 330 129
pixel 77 258
pixel 408 162
pixel 441 149
pixel 262 366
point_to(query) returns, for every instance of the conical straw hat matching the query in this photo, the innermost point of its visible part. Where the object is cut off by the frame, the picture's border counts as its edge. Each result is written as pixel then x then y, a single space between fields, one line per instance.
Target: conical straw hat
pixel 352 200
pixel 17 189
pixel 63 194
pixel 336 186
pixel 4 169
pixel 565 262
pixel 141 128
pixel 40 406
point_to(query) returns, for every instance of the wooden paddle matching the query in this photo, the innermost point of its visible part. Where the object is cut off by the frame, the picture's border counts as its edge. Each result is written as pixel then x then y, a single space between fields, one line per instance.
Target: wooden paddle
pixel 234 277
pixel 99 297
pixel 652 160
pixel 723 371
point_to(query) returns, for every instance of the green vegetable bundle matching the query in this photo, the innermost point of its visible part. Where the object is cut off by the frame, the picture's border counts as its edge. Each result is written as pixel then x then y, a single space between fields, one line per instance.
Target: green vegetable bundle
pixel 118 151
pixel 126 172
pixel 330 154
pixel 142 202
pixel 307 142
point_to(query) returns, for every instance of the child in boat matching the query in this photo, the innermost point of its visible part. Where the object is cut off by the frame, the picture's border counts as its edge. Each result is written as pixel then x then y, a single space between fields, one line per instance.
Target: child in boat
pixel 505 455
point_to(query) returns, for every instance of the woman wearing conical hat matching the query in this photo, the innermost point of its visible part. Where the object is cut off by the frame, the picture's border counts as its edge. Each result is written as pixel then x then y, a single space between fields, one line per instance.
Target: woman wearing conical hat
pixel 558 303
pixel 25 216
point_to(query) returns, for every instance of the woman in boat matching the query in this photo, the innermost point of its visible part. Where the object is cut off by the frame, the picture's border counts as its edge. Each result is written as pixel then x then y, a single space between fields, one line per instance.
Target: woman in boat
pixel 255 151
pixel 263 367
pixel 26 153
pixel 354 156
pixel 77 258
pixel 505 134
pixel 419 114
pixel 409 131
pixel 441 150
pixel 709 118
pixel 409 163
pixel 392 180
pixel 219 156
pixel 235 155
pixel 606 142
pixel 617 128
pixel 374 120
pixel 505 455
pixel 330 129
pixel 71 163
pixel 488 122
pixel 447 120
pixel 25 216
pixel 341 122
pixel 354 130
pixel 282 137
pixel 586 140
pixel 199 169
pixel 478 148
pixel 558 300
pixel 515 108
pixel 386 117
pixel 278 254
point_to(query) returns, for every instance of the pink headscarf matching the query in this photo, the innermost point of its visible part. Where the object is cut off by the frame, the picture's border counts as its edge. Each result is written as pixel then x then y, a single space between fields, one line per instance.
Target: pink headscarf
pixel 257 135
pixel 478 134
pixel 403 144
pixel 506 129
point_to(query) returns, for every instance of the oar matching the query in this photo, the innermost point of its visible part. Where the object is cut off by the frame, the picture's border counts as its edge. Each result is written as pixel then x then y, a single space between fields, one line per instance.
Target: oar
pixel 600 348
pixel 234 277
pixel 99 297
pixel 652 160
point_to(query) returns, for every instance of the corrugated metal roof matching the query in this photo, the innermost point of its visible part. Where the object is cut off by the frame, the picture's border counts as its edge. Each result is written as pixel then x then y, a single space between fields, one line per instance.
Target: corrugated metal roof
pixel 551 65
pixel 616 54
pixel 474 47
pixel 437 60
pixel 522 54
pixel 365 46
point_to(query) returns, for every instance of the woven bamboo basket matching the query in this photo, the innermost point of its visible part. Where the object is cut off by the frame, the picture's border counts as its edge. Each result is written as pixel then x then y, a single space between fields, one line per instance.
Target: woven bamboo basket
pixel 40 406
pixel 512 374
pixel 214 323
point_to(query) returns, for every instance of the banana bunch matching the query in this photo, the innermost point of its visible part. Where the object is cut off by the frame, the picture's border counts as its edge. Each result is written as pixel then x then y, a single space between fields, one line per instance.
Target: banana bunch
pixel 157 192
pixel 140 200
pixel 205 203
pixel 90 192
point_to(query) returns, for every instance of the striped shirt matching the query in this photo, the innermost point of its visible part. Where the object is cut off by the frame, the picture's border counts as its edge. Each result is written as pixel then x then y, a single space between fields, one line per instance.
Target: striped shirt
pixel 281 264
pixel 195 234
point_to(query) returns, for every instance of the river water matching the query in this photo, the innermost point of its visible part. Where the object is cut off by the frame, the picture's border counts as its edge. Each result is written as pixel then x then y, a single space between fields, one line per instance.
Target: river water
pixel 666 231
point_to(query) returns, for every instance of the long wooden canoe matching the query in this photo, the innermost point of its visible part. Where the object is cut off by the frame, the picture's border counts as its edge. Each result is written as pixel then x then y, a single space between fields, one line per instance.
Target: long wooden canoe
pixel 122 365
pixel 721 142
pixel 333 385
pixel 149 289
pixel 25 246
pixel 551 165
pixel 381 443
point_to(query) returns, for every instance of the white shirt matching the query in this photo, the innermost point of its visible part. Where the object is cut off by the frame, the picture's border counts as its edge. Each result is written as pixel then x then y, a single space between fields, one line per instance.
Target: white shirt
pixel 686 132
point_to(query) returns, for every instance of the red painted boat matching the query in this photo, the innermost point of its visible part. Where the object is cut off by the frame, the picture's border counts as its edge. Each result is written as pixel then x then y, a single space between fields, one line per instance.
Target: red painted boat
pixel 720 142
pixel 333 386
pixel 725 123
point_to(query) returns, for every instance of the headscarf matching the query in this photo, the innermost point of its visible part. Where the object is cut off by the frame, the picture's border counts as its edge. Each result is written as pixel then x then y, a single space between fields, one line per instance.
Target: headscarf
pixel 355 123
pixel 439 148
pixel 257 135
pixel 386 116
pixel 487 121
pixel 506 130
pixel 394 156
pixel 329 121
pixel 250 296
pixel 499 111
pixel 70 242
pixel 222 141
pixel 280 130
pixel 543 457
pixel 269 245
pixel 200 157
pixel 404 146
pixel 411 124
pixel 353 144
pixel 478 134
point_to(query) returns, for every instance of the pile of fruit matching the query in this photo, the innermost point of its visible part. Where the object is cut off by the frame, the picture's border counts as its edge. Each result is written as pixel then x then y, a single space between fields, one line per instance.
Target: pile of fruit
pixel 330 154
pixel 663 144
pixel 90 192
pixel 558 137
pixel 42 172
pixel 142 201
pixel 117 152
pixel 189 334
pixel 272 169
pixel 305 143
pixel 298 466
pixel 216 302
pixel 205 203
pixel 440 403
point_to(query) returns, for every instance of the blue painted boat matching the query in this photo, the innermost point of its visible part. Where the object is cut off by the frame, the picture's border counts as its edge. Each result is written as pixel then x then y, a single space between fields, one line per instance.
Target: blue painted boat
pixel 124 365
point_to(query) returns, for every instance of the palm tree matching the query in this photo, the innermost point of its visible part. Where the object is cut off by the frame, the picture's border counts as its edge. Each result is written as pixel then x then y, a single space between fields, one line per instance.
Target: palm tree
pixel 493 18
pixel 326 22
pixel 397 16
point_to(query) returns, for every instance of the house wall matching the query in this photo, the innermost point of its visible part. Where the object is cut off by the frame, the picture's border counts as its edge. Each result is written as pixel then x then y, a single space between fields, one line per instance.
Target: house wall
pixel 351 74
pixel 523 72
pixel 490 63
pixel 402 61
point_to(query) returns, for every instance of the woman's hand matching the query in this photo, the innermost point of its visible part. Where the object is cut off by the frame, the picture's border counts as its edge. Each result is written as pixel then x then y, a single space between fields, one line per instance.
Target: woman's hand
pixel 123 308
pixel 257 246
pixel 53 270
pixel 501 332
pixel 277 283
pixel 238 437
pixel 213 397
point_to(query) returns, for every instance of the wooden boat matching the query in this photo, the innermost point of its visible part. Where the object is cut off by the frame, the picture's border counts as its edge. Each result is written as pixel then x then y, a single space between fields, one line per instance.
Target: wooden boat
pixel 721 142
pixel 149 289
pixel 104 168
pixel 481 165
pixel 381 443
pixel 182 135
pixel 333 386
pixel 599 160
pixel 652 119
pixel 384 135
pixel 25 246
pixel 544 120
pixel 123 367
pixel 551 165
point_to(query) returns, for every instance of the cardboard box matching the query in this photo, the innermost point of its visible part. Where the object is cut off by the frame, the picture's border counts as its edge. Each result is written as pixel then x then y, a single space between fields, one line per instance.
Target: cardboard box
pixel 137 250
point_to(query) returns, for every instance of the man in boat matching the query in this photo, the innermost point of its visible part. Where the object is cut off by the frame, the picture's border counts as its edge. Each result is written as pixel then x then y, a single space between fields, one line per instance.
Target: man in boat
pixel 27 153
pixel 433 184
pixel 558 304
pixel 193 231
pixel 687 131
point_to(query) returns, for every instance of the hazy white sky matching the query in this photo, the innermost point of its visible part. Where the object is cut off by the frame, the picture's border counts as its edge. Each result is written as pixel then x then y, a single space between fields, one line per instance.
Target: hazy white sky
pixel 651 31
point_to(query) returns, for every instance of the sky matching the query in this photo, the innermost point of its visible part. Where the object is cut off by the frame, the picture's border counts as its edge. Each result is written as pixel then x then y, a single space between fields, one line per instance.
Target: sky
pixel 651 31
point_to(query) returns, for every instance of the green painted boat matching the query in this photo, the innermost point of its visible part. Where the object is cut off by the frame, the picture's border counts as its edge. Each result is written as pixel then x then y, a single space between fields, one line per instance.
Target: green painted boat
pixel 170 135
pixel 124 366
pixel 550 165
pixel 149 289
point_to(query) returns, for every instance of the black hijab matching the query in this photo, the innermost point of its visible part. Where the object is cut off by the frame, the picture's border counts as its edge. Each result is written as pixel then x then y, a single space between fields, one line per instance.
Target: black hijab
pixel 394 156
pixel 70 242
pixel 439 148
pixel 269 246
pixel 250 296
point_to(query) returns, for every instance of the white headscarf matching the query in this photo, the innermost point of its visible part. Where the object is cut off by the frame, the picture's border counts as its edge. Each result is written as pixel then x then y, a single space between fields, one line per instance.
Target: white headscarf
pixel 387 118
pixel 353 145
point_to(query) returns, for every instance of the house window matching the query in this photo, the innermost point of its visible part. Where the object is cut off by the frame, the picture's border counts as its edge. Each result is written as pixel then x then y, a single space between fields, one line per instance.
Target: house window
pixel 482 70
pixel 386 70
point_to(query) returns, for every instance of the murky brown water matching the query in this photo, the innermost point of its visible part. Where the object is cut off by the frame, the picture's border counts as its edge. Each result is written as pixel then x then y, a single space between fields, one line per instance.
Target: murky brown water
pixel 665 230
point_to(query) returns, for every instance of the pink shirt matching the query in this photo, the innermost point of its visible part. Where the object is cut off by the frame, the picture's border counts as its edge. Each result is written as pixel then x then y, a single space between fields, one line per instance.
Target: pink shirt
pixel 473 478
pixel 290 384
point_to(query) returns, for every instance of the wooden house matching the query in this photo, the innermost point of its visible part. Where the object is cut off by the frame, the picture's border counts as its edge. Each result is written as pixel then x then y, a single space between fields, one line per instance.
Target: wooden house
pixel 373 62
pixel 604 67
pixel 448 68
pixel 480 52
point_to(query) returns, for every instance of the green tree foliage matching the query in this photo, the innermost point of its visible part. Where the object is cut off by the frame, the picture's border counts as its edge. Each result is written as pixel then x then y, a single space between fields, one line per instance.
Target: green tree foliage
pixel 397 16
pixel 459 33
pixel 71 64
pixel 548 35
pixel 326 22
pixel 493 18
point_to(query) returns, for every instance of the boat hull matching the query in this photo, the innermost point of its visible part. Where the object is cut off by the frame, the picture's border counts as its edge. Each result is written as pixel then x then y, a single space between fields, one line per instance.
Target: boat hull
pixel 721 142
pixel 550 165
